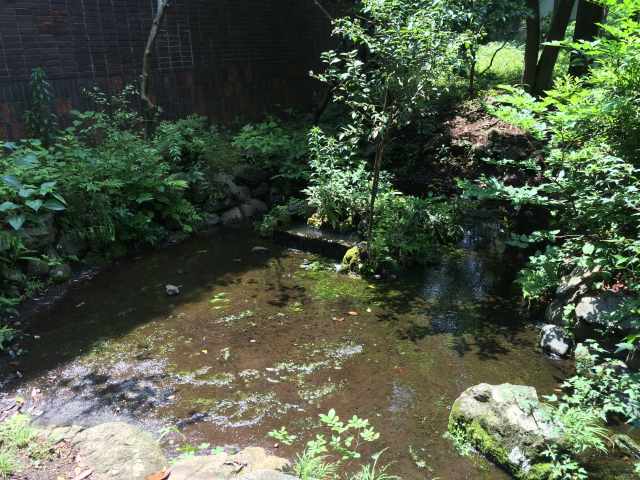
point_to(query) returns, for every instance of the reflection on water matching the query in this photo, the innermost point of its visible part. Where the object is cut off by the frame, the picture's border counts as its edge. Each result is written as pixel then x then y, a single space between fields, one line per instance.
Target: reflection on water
pixel 255 341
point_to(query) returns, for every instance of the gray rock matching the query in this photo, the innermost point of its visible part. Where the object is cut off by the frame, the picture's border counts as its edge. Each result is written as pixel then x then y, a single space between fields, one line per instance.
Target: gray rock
pixel 253 207
pixel 172 290
pixel 250 461
pixel 250 175
pixel 240 193
pixel 232 216
pixel 259 249
pixel 60 273
pixel 212 219
pixel 572 287
pixel 508 424
pixel 597 309
pixel 261 190
pixel 37 267
pixel 555 340
pixel 259 205
pixel 69 245
pixel 118 450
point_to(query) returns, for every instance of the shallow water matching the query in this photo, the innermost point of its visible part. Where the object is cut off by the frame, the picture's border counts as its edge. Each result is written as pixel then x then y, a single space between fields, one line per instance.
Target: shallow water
pixel 257 340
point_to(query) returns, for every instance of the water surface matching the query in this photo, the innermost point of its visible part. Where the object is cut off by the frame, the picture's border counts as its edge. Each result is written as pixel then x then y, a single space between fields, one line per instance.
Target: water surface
pixel 260 339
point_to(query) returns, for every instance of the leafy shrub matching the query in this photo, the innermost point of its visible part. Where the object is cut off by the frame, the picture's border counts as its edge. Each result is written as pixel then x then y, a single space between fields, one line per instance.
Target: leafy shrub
pixel 276 147
pixel 281 216
pixel 339 184
pixel 410 229
pixel 196 153
pixel 40 122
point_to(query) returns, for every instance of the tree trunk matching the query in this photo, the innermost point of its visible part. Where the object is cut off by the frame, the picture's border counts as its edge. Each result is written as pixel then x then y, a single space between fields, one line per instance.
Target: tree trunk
pixel 532 48
pixel 376 182
pixel 549 56
pixel 145 85
pixel 587 19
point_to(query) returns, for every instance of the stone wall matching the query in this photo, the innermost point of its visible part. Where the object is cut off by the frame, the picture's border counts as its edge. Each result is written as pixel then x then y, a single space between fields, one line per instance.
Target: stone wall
pixel 225 59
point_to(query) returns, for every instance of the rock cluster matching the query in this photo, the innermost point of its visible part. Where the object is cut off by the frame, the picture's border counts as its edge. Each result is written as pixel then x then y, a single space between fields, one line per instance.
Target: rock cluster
pixel 118 450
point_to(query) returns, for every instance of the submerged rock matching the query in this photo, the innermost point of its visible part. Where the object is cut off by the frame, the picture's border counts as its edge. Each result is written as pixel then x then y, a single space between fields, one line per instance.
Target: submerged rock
pixel 555 340
pixel 252 463
pixel 506 423
pixel 172 290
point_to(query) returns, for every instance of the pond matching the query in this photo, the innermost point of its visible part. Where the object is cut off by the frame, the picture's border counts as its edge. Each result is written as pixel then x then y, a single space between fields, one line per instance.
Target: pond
pixel 264 337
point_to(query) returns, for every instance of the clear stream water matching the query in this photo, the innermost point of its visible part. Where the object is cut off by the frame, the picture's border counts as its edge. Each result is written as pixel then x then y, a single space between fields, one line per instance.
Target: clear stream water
pixel 257 340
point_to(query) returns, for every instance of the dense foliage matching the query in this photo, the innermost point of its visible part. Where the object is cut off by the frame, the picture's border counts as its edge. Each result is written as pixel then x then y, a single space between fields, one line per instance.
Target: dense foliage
pixel 101 188
pixel 585 176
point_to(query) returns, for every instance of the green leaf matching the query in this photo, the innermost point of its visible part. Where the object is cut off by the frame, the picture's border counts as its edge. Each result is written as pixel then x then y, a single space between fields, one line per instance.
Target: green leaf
pixel 6 206
pixel 588 248
pixel 54 205
pixel 34 204
pixel 26 192
pixel 17 221
pixel 12 181
pixel 47 187
pixel 28 161
pixel 145 197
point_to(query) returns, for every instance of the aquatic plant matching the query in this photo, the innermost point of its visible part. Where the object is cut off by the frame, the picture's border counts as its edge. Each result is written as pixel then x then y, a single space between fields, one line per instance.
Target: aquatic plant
pixel 325 455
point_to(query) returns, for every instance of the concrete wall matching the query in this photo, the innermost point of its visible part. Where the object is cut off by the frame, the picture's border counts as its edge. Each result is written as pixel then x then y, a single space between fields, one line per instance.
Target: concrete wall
pixel 223 58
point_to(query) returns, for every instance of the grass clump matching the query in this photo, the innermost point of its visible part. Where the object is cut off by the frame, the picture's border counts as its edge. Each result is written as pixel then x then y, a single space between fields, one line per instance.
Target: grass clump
pixel 18 439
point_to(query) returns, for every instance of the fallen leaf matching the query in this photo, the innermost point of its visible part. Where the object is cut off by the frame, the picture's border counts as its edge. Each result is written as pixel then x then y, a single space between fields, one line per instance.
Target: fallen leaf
pixel 353 313
pixel 161 475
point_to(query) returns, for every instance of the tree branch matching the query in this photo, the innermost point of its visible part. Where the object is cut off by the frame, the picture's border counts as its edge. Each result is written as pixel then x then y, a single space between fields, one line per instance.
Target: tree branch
pixel 493 57
pixel 324 10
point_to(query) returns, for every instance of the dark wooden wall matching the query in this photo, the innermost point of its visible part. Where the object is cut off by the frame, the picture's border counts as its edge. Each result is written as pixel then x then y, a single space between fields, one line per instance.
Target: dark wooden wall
pixel 226 59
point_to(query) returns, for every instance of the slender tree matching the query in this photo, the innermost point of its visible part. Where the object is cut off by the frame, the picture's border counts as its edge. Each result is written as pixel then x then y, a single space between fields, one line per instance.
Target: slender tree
pixel 145 85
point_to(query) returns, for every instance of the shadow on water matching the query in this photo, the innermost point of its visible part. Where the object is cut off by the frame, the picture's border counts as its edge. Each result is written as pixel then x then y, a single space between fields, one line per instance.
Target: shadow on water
pixel 257 340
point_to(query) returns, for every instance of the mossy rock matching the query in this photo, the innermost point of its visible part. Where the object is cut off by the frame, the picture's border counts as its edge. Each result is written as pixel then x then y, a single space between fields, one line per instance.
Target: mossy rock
pixel 508 425
pixel 351 260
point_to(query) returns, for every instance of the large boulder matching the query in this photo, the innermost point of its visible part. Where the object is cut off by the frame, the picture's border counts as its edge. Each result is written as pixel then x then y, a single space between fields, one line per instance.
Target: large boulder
pixel 572 287
pixel 116 450
pixel 506 423
pixel 555 340
pixel 238 192
pixel 597 310
pixel 252 463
